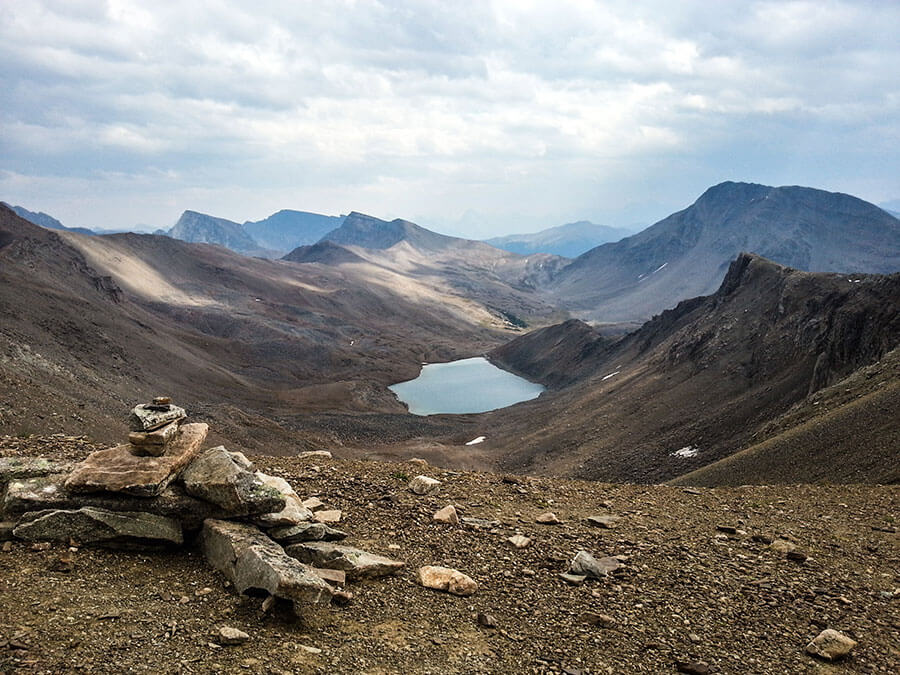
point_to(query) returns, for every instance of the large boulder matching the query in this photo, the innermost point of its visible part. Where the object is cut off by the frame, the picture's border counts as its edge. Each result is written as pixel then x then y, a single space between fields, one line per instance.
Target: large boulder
pixel 39 494
pixel 356 563
pixel 119 470
pixel 88 525
pixel 252 561
pixel 215 477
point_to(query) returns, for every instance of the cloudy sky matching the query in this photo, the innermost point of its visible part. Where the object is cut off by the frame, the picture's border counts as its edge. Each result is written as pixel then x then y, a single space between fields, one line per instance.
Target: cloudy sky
pixel 475 118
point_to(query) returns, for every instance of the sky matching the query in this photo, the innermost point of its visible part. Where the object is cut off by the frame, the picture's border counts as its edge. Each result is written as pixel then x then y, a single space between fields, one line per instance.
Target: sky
pixel 474 118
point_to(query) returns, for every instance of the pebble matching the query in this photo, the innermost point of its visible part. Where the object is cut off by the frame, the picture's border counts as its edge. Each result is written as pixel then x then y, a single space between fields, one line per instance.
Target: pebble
pixel 423 485
pixel 333 516
pixel 830 645
pixel 447 515
pixel 548 518
pixel 519 541
pixel 231 636
pixel 486 620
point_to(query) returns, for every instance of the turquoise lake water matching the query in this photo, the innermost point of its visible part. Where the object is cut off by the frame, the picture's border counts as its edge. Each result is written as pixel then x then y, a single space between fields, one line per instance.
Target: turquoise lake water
pixel 466 386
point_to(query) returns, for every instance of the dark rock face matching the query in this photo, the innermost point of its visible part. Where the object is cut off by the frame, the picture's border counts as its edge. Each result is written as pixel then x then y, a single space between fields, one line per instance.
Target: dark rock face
pixel 688 253
pixel 89 525
pixel 359 229
pixel 325 252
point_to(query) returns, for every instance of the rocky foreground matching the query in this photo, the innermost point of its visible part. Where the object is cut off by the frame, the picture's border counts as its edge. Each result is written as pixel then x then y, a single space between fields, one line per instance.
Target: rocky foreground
pixel 620 578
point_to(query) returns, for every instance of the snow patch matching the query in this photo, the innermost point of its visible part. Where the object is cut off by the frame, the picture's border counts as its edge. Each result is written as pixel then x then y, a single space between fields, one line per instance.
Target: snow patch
pixel 606 377
pixel 659 268
pixel 476 441
pixel 686 451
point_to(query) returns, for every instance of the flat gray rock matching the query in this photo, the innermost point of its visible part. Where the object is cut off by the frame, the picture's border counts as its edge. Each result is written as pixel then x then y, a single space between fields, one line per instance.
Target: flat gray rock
pixel 356 563
pixel 147 417
pixel 293 534
pixel 584 564
pixel 119 470
pixel 39 494
pixel 89 525
pixel 215 477
pixel 252 561
pixel 607 522
pixel 15 468
pixel 293 512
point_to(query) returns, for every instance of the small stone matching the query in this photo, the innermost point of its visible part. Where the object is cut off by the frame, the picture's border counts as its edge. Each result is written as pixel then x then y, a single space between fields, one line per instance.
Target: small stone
pixel 7 546
pixel 153 443
pixel 310 650
pixel 446 579
pixel 693 637
pixel 572 579
pixel 548 518
pixel 418 461
pixel 486 620
pixel 149 417
pixel 761 539
pixel 162 400
pixel 595 619
pixel 519 541
pixel 727 529
pixel 293 513
pixel 605 522
pixel 447 515
pixel 423 485
pixel 692 667
pixel 782 545
pixel 796 556
pixel 231 636
pixel 333 516
pixel 830 645
pixel 313 503
pixel 342 598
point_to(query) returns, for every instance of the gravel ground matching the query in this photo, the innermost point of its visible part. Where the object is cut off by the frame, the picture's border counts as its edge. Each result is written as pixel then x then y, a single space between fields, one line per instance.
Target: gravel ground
pixel 700 584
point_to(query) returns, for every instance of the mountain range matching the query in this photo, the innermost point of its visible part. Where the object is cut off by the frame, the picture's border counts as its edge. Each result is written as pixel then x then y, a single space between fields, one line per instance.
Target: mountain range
pixel 757 338
pixel 569 240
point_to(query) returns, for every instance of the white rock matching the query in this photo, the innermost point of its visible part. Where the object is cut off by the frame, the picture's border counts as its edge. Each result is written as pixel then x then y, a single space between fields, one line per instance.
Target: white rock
pixel 423 485
pixel 519 541
pixel 447 515
pixel 830 645
pixel 446 579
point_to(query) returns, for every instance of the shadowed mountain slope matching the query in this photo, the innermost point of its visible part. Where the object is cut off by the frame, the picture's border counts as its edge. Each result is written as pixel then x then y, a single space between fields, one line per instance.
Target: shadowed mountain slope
pixel 44 219
pixel 288 229
pixel 91 324
pixel 688 253
pixel 702 378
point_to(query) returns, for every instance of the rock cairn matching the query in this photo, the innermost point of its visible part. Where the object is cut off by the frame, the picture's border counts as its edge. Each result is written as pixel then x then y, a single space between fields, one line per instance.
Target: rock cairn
pixel 162 489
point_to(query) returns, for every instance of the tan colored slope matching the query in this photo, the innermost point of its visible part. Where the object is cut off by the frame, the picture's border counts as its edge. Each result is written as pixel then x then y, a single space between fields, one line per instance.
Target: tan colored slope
pixel 848 433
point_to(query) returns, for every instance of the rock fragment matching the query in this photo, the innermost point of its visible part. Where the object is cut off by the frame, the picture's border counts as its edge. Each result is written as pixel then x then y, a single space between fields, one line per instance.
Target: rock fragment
pixel 356 563
pixel 830 645
pixel 519 541
pixel 446 579
pixel 293 534
pixel 6 529
pixel 486 620
pixel 319 454
pixel 118 470
pixel 90 525
pixel 692 667
pixel 227 635
pixel 595 619
pixel 548 518
pixel 585 564
pixel 423 485
pixel 447 515
pixel 330 516
pixel 313 503
pixel 19 468
pixel 606 522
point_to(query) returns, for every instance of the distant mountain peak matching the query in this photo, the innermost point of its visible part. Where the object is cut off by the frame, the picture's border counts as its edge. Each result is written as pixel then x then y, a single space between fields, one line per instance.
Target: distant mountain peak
pixel 569 240
pixel 360 229
pixel 200 228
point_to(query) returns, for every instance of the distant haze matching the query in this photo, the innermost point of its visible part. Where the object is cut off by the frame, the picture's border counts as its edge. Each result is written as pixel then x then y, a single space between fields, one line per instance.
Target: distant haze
pixel 477 118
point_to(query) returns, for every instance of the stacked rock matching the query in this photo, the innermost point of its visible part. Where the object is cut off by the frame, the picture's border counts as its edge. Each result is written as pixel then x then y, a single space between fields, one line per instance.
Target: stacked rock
pixel 161 485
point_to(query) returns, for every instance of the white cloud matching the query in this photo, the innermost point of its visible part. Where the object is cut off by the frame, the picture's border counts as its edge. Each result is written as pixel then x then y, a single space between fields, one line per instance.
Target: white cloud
pixel 565 109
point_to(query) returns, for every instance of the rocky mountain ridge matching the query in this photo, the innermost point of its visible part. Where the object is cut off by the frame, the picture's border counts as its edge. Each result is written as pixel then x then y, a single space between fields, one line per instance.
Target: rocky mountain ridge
pixel 569 240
